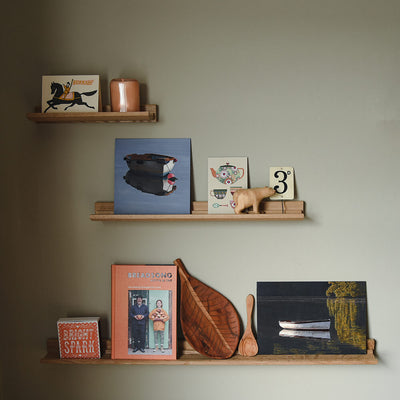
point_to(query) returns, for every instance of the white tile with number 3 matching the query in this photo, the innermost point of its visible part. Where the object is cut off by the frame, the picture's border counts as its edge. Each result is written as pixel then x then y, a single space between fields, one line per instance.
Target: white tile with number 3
pixel 282 180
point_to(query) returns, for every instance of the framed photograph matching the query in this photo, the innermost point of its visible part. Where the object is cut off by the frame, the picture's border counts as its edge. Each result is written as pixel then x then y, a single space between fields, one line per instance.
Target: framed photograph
pixel 144 312
pixel 71 93
pixel 312 317
pixel 152 176
pixel 225 176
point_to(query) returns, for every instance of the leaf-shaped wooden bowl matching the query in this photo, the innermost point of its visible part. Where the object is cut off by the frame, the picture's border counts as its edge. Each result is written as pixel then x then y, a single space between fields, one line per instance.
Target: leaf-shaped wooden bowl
pixel 209 321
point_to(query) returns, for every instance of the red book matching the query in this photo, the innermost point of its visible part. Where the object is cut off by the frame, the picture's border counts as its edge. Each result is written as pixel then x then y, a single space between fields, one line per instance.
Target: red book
pixel 79 337
pixel 144 312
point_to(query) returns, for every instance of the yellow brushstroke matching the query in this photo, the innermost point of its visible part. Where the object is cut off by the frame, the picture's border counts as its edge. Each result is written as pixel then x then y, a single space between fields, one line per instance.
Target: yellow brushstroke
pixel 343 308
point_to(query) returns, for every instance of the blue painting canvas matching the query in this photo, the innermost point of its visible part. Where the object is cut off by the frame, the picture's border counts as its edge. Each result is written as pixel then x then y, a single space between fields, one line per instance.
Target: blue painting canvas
pixel 152 176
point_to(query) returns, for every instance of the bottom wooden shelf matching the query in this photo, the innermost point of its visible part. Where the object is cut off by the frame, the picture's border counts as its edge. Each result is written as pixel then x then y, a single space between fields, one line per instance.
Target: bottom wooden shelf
pixel 188 356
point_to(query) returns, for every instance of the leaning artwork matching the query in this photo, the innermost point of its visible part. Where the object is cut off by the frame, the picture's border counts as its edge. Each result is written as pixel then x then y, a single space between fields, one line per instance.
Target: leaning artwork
pixel 152 176
pixel 76 93
pixel 312 317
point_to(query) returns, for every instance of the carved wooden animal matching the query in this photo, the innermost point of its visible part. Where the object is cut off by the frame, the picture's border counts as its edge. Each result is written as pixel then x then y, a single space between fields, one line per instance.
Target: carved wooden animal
pixel 245 198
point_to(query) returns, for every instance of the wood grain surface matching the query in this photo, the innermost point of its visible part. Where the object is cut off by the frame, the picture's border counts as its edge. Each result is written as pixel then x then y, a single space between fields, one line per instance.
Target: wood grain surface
pixel 209 321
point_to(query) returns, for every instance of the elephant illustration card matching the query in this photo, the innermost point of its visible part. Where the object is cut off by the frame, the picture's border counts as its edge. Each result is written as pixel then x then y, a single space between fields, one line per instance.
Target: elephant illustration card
pixel 70 93
pixel 225 176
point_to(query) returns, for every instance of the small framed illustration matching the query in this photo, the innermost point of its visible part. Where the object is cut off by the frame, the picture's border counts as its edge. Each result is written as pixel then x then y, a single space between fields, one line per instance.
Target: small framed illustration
pixel 225 176
pixel 282 180
pixel 71 93
pixel 152 176
pixel 312 317
pixel 144 312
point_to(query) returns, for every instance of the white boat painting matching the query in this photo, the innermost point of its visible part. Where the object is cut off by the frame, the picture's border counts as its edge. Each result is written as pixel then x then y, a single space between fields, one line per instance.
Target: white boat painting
pixel 293 333
pixel 310 325
pixel 308 312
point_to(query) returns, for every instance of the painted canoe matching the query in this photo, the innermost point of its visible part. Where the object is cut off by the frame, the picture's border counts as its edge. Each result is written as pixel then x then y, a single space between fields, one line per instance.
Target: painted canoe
pixel 293 333
pixel 319 325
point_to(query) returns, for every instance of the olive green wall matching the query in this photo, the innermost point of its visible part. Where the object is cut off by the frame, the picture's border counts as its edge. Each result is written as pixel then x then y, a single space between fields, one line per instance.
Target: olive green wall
pixel 310 84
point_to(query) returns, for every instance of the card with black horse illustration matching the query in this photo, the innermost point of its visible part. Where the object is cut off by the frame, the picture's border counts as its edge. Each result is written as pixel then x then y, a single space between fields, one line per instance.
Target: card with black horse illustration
pixel 71 93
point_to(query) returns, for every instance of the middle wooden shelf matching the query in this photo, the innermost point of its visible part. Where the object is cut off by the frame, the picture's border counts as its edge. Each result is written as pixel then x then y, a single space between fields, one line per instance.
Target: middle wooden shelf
pixel 292 210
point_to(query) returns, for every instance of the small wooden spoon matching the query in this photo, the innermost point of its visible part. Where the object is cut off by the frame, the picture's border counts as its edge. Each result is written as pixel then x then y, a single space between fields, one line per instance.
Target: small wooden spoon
pixel 248 345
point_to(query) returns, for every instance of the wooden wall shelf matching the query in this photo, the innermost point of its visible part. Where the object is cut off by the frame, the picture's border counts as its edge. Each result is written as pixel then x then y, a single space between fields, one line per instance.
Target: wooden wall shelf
pixel 148 114
pixel 273 211
pixel 187 356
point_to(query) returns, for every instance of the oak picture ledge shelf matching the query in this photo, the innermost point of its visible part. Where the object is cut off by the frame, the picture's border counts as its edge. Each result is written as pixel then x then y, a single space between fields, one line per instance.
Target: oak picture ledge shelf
pixel 188 356
pixel 147 114
pixel 292 210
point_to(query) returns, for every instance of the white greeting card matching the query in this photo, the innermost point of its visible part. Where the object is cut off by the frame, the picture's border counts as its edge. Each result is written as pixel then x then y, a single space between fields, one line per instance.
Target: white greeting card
pixel 225 176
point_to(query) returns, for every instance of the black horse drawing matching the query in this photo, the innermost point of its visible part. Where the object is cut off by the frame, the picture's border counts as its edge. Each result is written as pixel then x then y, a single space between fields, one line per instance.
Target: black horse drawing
pixel 73 98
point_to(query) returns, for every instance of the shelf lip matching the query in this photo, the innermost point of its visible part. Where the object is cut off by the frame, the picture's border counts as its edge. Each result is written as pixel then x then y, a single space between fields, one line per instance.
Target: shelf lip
pixel 149 114
pixel 197 217
pixel 328 359
pixel 197 359
pixel 292 210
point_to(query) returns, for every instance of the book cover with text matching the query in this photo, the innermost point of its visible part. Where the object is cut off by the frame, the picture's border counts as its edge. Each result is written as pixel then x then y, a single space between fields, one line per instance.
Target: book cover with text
pixel 144 312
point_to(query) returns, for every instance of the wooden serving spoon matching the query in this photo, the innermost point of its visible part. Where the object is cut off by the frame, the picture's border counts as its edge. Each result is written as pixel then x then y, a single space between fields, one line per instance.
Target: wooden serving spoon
pixel 248 345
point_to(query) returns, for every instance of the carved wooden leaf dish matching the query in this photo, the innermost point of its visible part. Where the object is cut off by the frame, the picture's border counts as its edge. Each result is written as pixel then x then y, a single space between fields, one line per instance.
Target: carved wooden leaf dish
pixel 209 321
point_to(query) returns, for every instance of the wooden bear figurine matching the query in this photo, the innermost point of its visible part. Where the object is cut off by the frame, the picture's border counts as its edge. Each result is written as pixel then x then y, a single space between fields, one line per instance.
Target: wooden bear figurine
pixel 245 198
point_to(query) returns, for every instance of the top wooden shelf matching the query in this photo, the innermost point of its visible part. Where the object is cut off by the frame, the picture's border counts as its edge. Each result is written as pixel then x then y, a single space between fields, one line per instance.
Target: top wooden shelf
pixel 272 211
pixel 148 114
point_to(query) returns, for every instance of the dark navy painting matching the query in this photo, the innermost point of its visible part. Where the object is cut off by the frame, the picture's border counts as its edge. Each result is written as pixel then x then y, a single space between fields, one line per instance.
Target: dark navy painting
pixel 312 317
pixel 152 176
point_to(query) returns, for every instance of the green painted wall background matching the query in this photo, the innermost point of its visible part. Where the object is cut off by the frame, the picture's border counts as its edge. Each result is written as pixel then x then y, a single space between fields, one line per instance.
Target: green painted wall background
pixel 310 84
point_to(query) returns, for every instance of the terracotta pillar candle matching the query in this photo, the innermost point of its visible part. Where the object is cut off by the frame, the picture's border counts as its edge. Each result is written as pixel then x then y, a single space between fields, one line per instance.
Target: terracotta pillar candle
pixel 125 95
